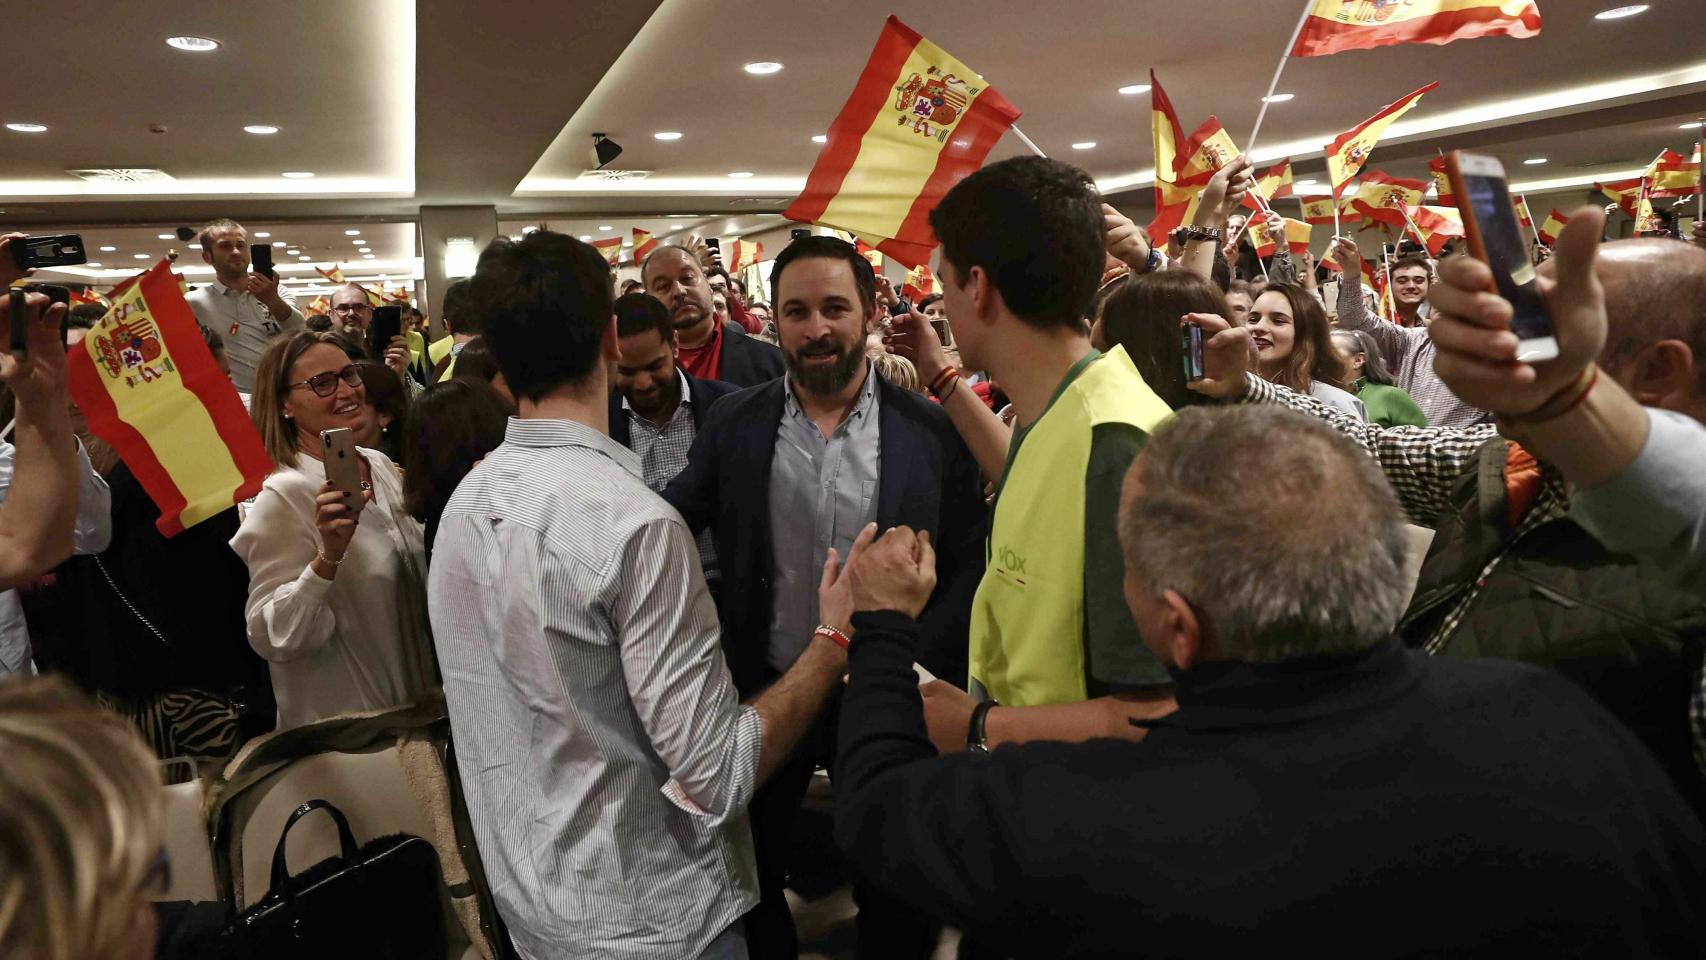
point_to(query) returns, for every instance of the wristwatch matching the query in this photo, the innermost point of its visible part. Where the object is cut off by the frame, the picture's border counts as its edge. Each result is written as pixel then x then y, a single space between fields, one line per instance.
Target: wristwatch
pixel 976 740
pixel 1200 233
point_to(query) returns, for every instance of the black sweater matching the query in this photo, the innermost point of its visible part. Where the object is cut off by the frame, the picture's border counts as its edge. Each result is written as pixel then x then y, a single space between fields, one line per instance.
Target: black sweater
pixel 1379 804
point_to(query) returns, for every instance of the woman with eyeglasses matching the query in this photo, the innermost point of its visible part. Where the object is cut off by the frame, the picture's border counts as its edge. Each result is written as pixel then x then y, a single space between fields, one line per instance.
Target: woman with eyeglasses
pixel 337 599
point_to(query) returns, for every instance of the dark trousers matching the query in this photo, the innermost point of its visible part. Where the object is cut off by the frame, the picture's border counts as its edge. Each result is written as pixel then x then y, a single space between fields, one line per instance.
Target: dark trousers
pixel 887 928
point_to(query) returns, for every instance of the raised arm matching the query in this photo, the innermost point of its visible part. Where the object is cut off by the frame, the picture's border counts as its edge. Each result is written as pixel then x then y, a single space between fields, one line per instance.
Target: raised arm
pixel 1394 340
pixel 1223 194
pixel 39 514
pixel 985 435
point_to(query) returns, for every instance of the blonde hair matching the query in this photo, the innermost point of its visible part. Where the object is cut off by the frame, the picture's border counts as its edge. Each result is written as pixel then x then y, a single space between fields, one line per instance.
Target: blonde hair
pixel 83 825
pixel 899 371
pixel 272 385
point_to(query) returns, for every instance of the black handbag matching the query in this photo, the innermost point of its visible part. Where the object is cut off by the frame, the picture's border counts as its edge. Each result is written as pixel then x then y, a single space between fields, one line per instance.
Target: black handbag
pixel 376 902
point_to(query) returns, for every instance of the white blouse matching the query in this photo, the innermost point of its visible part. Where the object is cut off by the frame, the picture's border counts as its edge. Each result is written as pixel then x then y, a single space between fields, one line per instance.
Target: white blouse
pixel 358 642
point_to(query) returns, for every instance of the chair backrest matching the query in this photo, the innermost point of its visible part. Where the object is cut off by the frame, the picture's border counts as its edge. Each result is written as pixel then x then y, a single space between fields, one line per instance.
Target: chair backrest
pixel 187 843
pixel 387 776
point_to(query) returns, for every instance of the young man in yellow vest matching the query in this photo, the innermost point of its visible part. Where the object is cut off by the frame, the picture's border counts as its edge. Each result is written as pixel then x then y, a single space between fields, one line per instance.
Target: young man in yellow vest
pixel 1054 652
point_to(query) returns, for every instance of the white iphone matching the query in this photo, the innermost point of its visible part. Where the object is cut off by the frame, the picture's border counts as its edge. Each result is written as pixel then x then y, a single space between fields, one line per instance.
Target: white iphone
pixel 1495 238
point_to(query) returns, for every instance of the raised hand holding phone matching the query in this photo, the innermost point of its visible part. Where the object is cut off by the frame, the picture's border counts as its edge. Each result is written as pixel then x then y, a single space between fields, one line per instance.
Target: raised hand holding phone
pixel 1495 239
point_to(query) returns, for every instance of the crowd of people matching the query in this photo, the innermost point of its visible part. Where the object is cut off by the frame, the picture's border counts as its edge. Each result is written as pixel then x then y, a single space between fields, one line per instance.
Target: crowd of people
pixel 1101 654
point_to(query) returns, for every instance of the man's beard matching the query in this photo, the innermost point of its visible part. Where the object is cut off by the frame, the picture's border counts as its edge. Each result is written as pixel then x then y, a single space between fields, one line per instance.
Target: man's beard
pixel 825 379
pixel 688 316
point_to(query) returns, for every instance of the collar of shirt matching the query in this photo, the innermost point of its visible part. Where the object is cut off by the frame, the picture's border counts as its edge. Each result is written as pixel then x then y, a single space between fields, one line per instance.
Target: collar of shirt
pixel 1233 694
pixel 224 290
pixel 686 392
pixel 570 433
pixel 867 396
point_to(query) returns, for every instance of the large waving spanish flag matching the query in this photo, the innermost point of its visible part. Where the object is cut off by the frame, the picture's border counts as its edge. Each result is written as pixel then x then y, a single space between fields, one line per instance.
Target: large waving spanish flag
pixel 1626 193
pixel 1347 155
pixel 1673 175
pixel 1208 149
pixel 1383 198
pixel 147 383
pixel 917 123
pixel 1334 26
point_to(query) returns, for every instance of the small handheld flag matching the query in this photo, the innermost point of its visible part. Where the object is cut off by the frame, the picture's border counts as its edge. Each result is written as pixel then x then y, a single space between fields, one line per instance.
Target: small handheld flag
pixel 1349 153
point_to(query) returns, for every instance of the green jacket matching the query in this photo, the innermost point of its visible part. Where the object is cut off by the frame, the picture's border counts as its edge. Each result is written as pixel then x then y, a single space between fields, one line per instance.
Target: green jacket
pixel 1613 624
pixel 1388 406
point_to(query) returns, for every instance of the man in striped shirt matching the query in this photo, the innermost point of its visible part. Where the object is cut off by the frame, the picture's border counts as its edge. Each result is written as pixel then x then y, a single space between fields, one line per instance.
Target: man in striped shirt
pixel 606 760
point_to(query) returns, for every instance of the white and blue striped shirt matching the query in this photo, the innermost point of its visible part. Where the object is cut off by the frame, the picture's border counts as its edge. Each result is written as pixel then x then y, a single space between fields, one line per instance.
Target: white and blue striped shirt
pixel 606 760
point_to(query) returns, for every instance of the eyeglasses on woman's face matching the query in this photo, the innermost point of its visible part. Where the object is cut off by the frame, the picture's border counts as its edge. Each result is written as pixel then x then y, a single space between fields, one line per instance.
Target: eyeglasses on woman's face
pixel 326 384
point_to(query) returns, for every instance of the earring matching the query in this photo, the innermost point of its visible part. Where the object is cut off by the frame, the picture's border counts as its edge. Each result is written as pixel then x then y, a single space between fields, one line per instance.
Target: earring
pixel 288 415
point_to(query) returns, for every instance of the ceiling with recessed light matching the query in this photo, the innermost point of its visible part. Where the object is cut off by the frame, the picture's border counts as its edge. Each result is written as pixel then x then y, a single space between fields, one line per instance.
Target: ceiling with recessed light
pixel 396 104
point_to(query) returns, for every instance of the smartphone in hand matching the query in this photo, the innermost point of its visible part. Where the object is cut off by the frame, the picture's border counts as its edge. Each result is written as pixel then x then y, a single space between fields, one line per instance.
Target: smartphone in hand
pixel 260 261
pixel 1495 238
pixel 59 250
pixel 343 466
pixel 1190 349
pixel 387 325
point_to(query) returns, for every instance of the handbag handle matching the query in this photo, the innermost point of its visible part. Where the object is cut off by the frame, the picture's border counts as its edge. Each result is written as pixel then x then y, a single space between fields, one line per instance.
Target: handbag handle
pixel 346 840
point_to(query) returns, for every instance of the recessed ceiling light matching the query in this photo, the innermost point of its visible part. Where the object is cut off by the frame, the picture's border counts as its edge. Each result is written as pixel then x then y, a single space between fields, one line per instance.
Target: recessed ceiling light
pixel 1618 13
pixel 628 241
pixel 1534 161
pixel 1133 89
pixel 586 237
pixel 1278 98
pixel 26 128
pixel 108 249
pixel 367 249
pixel 192 44
pixel 741 174
pixel 292 252
pixel 261 235
pixel 91 263
pixel 280 243
pixel 820 138
pixel 304 257
pixel 166 236
pixel 352 233
pixel 1085 145
pixel 766 67
pixel 140 256
pixel 296 174
pixel 604 227
pixel 1694 124
pixel 667 135
pixel 367 256
pixel 261 129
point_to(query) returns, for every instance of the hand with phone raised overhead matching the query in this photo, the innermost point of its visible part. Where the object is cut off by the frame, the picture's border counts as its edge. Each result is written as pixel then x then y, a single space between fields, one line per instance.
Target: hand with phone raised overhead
pixel 40 376
pixel 1475 352
pixel 912 337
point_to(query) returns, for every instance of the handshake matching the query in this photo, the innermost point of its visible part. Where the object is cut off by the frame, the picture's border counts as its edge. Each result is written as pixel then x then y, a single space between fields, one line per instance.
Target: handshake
pixel 896 571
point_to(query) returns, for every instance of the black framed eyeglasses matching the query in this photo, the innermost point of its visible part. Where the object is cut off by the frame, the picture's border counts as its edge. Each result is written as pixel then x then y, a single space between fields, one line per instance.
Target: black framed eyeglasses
pixel 359 306
pixel 326 384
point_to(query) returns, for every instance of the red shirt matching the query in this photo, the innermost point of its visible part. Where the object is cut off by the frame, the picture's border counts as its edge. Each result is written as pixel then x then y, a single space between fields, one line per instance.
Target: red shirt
pixel 704 362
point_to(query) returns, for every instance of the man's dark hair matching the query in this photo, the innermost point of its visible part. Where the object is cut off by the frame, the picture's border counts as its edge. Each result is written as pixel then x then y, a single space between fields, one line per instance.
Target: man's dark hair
pixel 544 302
pixel 319 323
pixel 641 312
pixel 1035 227
pixel 1221 273
pixel 932 298
pixel 84 316
pixel 827 248
pixel 456 312
pixel 1412 260
pixel 475 362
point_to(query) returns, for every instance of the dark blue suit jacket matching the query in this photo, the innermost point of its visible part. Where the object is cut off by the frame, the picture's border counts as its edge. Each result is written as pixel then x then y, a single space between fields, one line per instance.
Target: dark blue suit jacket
pixel 703 392
pixel 928 482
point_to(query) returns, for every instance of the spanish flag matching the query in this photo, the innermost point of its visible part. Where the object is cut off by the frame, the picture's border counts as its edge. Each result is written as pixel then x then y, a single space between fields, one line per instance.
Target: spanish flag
pixel 320 305
pixel 1627 193
pixel 1273 184
pixel 1523 217
pixel 1380 197
pixel 870 253
pixel 1550 229
pixel 336 274
pixel 1267 241
pixel 146 381
pixel 920 283
pixel 644 244
pixel 917 123
pixel 1334 26
pixel 741 255
pixel 1208 149
pixel 1320 211
pixel 87 296
pixel 1175 205
pixel 1169 135
pixel 611 247
pixel 1438 226
pixel 1673 175
pixel 1347 155
pixel 1442 182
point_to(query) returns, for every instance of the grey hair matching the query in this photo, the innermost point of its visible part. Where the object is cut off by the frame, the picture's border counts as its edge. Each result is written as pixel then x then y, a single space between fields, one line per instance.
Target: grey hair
pixel 1319 570
pixel 1373 364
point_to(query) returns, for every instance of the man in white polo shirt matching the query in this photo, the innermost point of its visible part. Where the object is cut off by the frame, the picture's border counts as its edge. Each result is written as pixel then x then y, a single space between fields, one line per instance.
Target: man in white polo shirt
pixel 241 305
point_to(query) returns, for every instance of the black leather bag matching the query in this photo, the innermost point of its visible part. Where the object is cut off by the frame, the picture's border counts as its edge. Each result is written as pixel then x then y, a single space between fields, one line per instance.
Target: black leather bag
pixel 376 902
